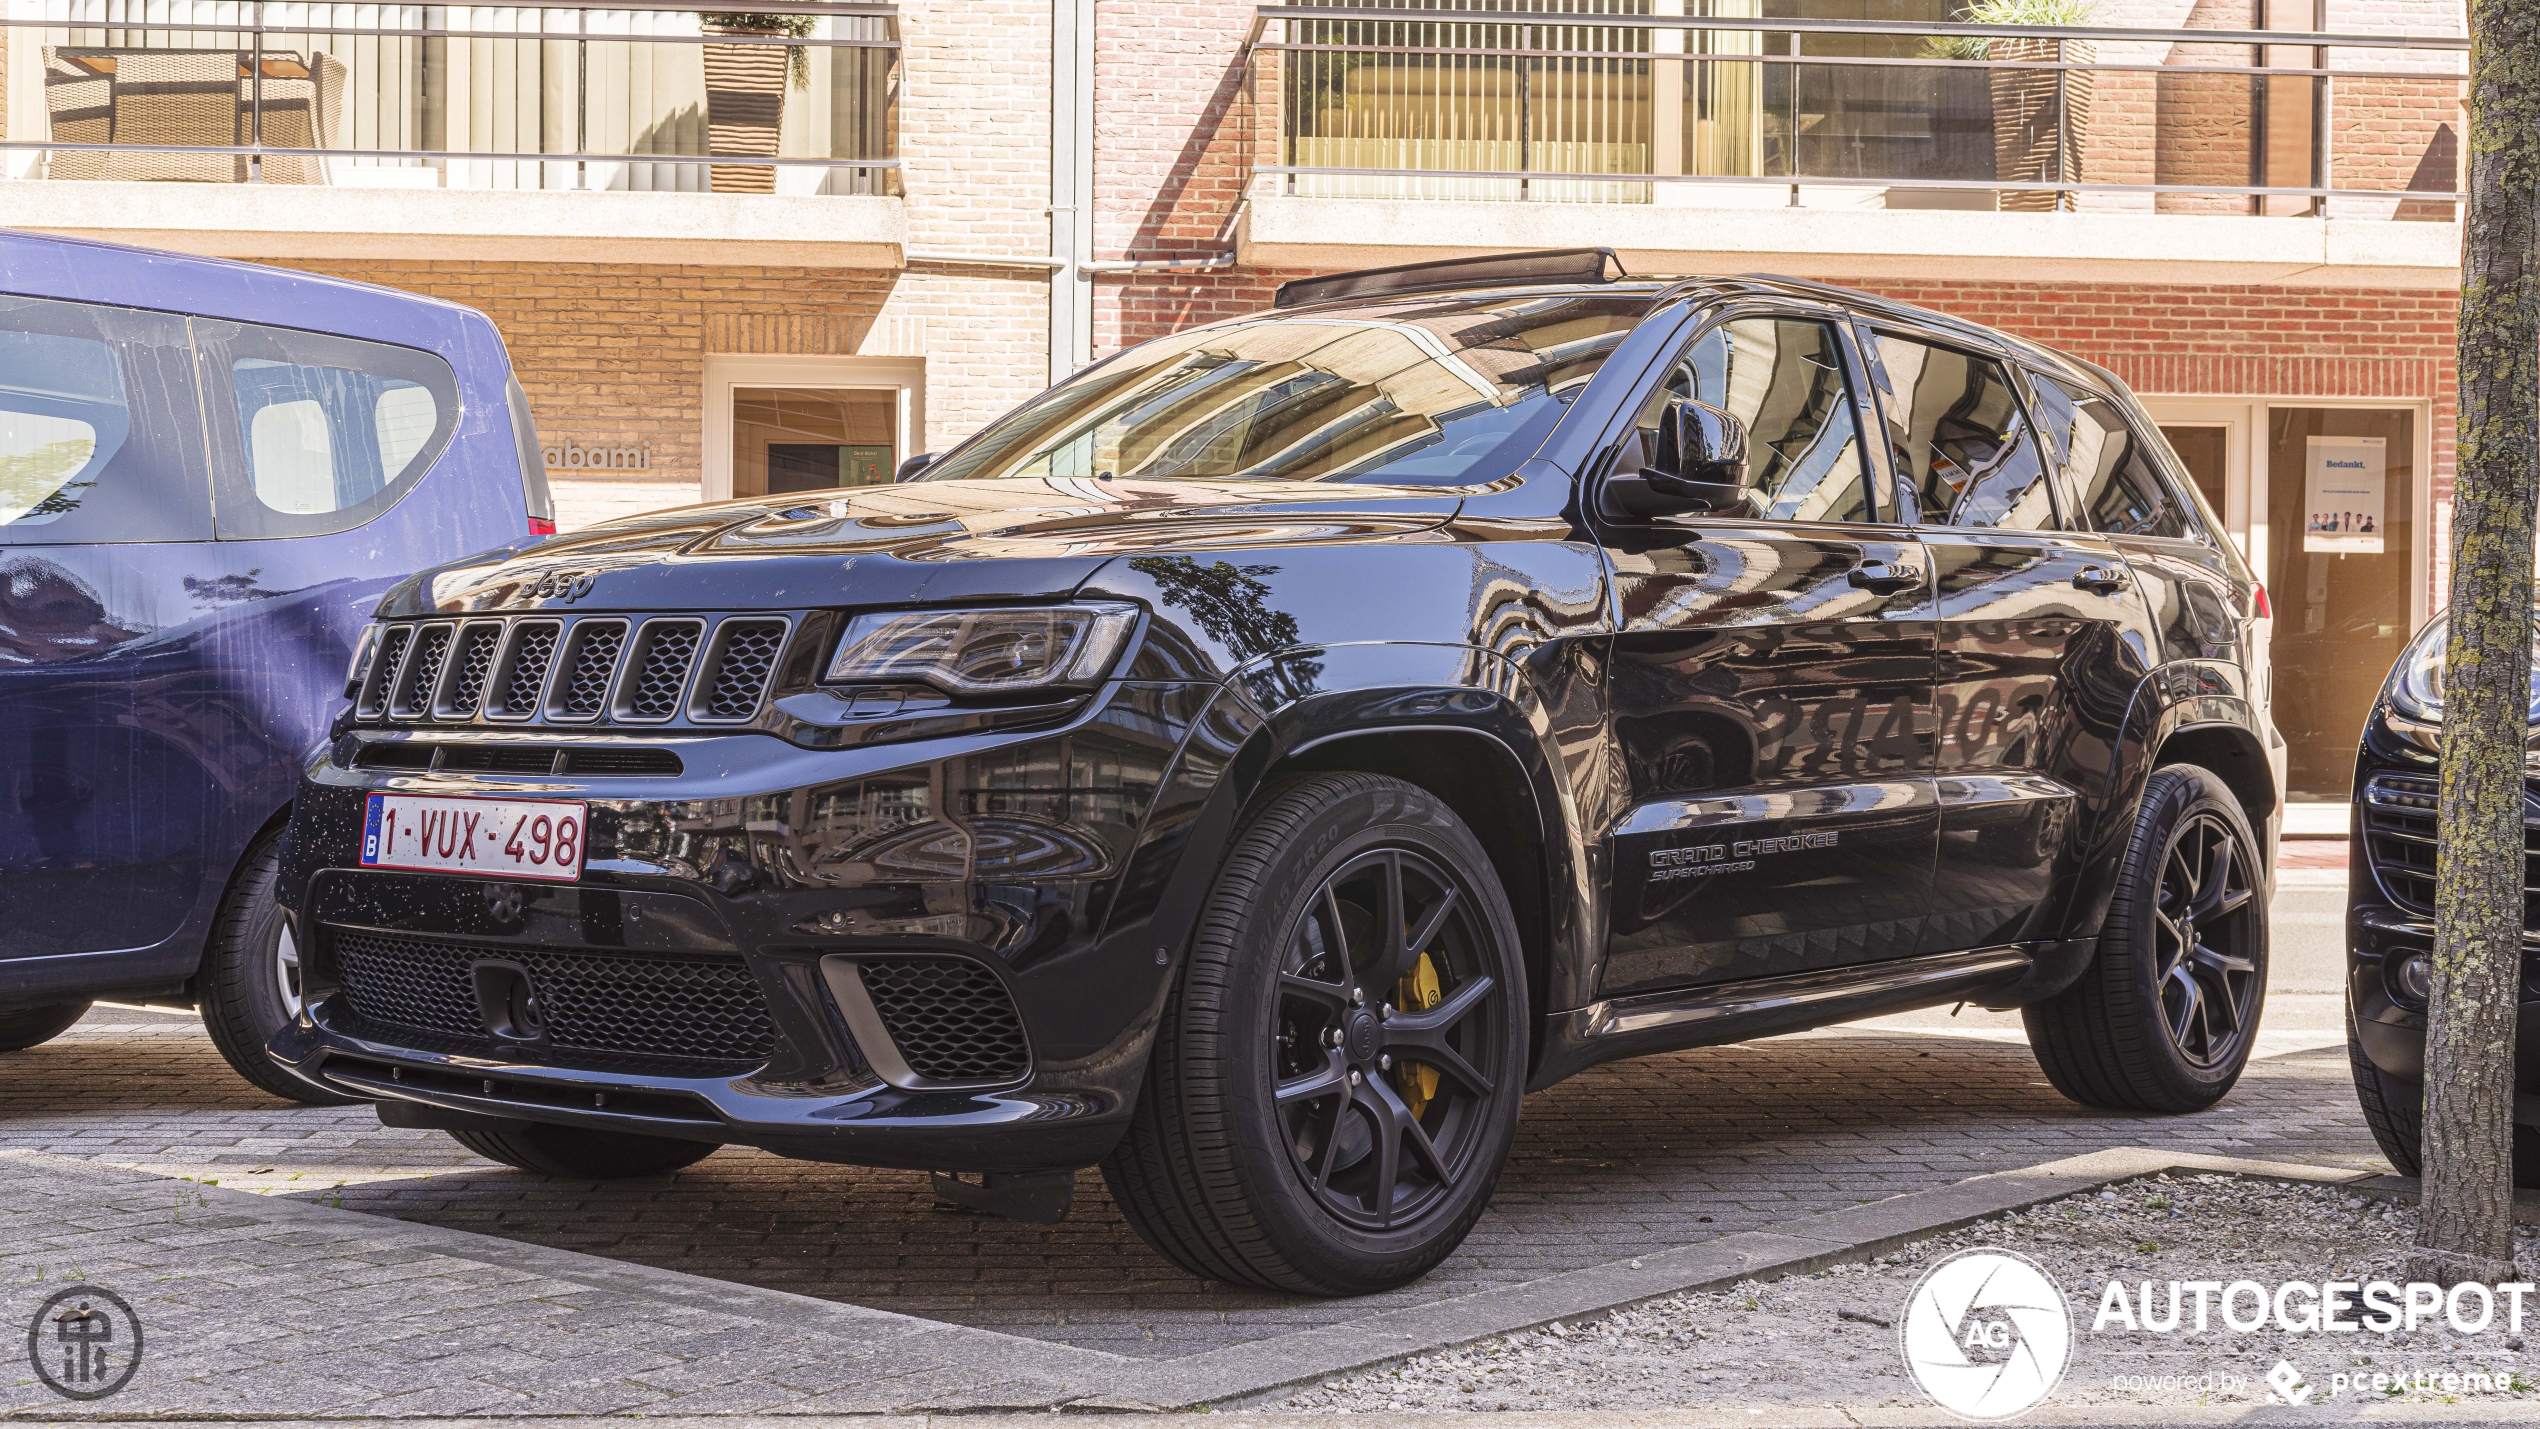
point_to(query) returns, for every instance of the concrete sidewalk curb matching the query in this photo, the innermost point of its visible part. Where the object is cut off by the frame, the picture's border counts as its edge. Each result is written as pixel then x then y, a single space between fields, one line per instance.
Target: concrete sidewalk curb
pixel 1020 1374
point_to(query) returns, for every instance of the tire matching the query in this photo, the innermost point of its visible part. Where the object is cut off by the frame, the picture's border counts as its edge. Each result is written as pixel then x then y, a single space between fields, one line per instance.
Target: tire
pixel 1257 1152
pixel 575 1154
pixel 250 985
pixel 2395 1110
pixel 2392 1108
pixel 35 1026
pixel 2147 1028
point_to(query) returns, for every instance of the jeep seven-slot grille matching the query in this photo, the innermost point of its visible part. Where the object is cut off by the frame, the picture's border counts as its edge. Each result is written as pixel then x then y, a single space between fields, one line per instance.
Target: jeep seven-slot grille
pixel 475 662
pixel 592 670
pixel 423 673
pixel 2399 840
pixel 584 685
pixel 743 664
pixel 665 649
pixel 690 1007
pixel 950 1018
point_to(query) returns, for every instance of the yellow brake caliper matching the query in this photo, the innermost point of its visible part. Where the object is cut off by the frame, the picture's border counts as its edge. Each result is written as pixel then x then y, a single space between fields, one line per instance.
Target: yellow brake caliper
pixel 1417 992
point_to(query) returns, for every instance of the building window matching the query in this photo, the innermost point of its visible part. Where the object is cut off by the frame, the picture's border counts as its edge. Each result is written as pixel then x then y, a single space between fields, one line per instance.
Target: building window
pixel 788 439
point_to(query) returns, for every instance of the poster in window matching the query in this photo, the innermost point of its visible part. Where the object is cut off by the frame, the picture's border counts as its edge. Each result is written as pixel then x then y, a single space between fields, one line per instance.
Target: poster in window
pixel 2344 481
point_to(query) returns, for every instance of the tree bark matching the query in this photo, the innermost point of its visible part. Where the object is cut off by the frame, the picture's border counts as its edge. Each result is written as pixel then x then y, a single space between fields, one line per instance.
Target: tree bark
pixel 2465 1225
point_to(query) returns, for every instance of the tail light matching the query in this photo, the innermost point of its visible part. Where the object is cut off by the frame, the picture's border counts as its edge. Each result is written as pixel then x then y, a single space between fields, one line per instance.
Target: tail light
pixel 2264 610
pixel 539 527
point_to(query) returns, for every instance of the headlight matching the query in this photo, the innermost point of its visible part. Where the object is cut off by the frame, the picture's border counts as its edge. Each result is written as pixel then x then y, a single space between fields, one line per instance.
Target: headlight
pixel 983 652
pixel 2416 686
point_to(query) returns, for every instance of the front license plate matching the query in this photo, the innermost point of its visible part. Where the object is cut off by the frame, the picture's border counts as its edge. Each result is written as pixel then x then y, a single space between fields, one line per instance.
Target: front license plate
pixel 509 838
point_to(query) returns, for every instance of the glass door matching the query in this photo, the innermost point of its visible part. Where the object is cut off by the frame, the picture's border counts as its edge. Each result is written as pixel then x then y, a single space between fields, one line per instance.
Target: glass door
pixel 789 439
pixel 2341 568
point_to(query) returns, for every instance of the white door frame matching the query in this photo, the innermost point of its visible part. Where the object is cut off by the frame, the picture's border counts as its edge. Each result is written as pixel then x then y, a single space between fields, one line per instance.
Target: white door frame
pixel 2246 474
pixel 903 377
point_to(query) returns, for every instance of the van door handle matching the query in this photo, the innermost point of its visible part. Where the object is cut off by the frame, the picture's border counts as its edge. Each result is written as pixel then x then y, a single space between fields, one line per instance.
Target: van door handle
pixel 1886 577
pixel 2103 580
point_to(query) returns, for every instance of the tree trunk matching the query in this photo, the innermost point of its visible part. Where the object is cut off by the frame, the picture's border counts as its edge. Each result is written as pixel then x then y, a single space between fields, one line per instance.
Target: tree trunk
pixel 2465 1228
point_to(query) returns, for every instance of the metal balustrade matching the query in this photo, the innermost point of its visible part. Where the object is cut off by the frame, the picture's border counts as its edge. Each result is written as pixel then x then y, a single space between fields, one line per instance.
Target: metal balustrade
pixel 627 95
pixel 1753 105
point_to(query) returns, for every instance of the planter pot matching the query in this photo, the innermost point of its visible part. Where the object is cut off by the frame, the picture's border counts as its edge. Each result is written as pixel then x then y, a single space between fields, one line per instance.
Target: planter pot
pixel 2031 126
pixel 745 108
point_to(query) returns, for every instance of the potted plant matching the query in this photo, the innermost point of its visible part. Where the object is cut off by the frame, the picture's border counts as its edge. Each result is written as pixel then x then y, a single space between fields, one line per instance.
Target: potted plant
pixel 2040 116
pixel 745 92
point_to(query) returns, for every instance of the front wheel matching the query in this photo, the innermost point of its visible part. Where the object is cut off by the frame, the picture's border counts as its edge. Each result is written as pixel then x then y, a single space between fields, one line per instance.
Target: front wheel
pixel 250 988
pixel 1336 1077
pixel 35 1026
pixel 2166 1016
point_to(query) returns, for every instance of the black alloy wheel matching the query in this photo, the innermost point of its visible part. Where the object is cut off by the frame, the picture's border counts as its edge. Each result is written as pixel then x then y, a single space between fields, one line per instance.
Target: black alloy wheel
pixel 1386 1043
pixel 1336 1076
pixel 2202 924
pixel 2166 1014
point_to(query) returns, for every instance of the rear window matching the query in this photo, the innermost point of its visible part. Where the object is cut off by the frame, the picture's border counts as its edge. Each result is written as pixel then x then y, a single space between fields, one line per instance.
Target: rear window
pixel 328 431
pixel 1438 393
pixel 2107 469
pixel 98 437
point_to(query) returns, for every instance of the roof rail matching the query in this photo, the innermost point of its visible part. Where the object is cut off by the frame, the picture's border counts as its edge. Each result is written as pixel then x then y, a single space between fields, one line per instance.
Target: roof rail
pixel 1551 265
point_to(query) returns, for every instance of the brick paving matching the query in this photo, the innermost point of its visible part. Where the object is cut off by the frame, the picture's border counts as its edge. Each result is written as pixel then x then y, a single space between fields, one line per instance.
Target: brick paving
pixel 1623 1160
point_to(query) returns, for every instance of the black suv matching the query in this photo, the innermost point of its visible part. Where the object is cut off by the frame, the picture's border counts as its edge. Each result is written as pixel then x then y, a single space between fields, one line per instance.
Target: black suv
pixel 1255 763
pixel 2390 914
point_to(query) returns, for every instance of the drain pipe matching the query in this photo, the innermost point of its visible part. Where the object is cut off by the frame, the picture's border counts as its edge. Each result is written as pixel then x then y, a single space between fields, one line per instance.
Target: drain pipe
pixel 1071 298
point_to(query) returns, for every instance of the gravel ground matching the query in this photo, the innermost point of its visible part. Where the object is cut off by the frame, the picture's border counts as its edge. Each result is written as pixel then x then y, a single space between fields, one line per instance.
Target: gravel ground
pixel 1828 1339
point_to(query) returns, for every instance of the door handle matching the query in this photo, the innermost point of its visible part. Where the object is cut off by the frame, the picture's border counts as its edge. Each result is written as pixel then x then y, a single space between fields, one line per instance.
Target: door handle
pixel 1886 577
pixel 2103 580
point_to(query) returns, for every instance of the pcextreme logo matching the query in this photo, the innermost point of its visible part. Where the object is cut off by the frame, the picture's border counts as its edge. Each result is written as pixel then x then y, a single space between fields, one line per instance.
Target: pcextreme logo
pixel 1986 1333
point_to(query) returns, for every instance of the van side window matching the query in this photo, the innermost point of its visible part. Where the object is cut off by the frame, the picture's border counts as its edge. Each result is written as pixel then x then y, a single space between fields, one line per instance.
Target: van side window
pixel 98 437
pixel 2106 468
pixel 330 431
pixel 1959 438
pixel 1783 378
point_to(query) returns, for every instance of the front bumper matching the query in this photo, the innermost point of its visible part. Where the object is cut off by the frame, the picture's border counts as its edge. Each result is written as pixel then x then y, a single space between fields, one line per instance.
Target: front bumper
pixel 2389 919
pixel 721 973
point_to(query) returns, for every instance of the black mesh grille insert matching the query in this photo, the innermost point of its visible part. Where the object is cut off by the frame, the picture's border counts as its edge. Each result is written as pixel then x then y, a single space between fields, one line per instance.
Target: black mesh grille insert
pixel 742 670
pixel 383 668
pixel 499 758
pixel 476 661
pixel 662 672
pixel 414 692
pixel 586 684
pixel 950 1018
pixel 528 673
pixel 621 761
pixel 393 756
pixel 689 1008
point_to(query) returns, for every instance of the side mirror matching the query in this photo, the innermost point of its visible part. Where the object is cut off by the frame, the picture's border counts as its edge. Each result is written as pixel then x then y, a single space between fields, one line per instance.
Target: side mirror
pixel 914 467
pixel 1700 465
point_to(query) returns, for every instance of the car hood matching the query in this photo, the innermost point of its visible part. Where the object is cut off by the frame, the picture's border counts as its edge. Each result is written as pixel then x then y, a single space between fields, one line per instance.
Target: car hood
pixel 1035 537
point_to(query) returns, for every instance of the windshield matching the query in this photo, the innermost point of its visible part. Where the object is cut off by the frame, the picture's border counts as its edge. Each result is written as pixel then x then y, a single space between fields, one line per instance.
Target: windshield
pixel 1435 393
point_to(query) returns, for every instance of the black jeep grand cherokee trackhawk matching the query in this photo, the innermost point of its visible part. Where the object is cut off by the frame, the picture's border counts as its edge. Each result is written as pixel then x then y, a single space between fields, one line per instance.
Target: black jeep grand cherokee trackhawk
pixel 1252 765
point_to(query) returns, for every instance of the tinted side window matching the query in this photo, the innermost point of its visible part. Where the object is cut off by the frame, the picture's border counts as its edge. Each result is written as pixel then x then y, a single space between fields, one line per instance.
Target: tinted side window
pixel 322 433
pixel 2105 465
pixel 99 437
pixel 1959 438
pixel 1782 377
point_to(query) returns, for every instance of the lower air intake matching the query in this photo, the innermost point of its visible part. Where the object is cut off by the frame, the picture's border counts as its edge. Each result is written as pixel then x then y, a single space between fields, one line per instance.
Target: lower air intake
pixel 950 1018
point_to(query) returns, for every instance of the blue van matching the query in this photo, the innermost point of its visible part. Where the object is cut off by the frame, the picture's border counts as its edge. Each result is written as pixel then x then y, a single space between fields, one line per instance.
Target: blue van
pixel 209 471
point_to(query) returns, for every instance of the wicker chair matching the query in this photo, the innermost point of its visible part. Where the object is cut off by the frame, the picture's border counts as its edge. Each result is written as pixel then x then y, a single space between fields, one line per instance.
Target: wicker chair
pixel 124 96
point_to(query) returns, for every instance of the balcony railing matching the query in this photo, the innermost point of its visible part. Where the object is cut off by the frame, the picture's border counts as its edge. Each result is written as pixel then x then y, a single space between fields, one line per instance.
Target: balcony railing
pixel 1757 104
pixel 798 98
